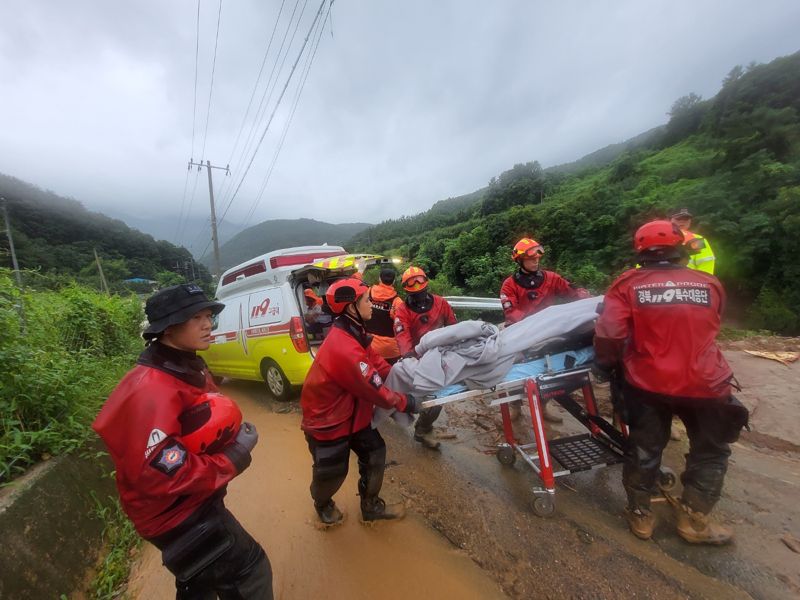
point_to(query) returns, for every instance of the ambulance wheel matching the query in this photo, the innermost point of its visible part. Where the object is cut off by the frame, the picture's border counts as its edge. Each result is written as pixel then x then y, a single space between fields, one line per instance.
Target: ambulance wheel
pixel 277 384
pixel 544 506
pixel 506 455
pixel 667 479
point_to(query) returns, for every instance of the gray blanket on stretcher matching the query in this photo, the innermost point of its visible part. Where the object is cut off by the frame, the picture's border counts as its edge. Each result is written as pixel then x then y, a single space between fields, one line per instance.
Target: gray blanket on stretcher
pixel 479 354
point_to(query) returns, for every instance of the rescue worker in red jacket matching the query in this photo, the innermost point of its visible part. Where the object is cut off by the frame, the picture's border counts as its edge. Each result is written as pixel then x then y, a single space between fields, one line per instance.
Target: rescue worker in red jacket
pixel 384 309
pixel 657 329
pixel 420 313
pixel 530 290
pixel 174 496
pixel 339 394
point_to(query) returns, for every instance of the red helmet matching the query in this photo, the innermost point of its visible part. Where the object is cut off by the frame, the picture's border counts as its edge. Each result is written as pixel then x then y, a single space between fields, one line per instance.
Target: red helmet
pixel 526 247
pixel 210 424
pixel 344 292
pixel 414 279
pixel 657 234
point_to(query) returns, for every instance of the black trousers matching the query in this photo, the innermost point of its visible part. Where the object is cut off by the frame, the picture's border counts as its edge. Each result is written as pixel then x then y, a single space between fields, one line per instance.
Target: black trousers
pixel 707 460
pixel 331 463
pixel 242 572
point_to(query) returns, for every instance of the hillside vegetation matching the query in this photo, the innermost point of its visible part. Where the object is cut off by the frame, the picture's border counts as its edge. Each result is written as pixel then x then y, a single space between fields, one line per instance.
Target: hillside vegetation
pixel 734 160
pixel 59 364
pixel 282 233
pixel 56 237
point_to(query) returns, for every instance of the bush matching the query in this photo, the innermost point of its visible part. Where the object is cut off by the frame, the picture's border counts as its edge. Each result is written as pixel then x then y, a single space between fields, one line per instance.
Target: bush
pixel 769 311
pixel 59 364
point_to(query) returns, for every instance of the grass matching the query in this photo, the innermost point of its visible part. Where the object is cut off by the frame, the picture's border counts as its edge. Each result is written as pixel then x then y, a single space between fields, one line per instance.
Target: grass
pixel 734 334
pixel 120 541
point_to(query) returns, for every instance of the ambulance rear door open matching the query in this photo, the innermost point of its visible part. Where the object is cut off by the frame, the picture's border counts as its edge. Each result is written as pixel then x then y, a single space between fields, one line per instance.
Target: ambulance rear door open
pixel 319 276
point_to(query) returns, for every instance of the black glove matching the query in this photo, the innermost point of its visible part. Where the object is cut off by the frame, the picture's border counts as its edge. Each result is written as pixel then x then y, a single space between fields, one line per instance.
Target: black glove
pixel 239 450
pixel 602 374
pixel 413 405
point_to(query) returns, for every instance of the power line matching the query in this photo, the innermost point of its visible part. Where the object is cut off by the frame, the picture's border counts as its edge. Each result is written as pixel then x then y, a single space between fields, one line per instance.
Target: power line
pixel 272 81
pixel 278 102
pixel 306 70
pixel 194 121
pixel 211 87
pixel 255 87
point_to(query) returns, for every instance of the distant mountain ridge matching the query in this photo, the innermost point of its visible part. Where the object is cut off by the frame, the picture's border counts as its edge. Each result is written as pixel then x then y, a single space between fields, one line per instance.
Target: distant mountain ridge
pixel 282 233
pixel 196 231
pixel 58 235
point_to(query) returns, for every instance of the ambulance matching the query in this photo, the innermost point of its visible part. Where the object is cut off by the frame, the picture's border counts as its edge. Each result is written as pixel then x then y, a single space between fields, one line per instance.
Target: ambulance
pixel 264 333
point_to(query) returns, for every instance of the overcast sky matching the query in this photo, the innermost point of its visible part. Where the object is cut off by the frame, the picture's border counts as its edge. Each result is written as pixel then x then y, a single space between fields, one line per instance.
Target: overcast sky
pixel 405 103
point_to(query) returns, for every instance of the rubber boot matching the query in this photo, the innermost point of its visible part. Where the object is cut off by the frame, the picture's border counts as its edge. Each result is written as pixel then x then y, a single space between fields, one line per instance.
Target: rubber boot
pixel 330 514
pixel 375 509
pixel 698 528
pixel 550 414
pixel 427 440
pixel 641 522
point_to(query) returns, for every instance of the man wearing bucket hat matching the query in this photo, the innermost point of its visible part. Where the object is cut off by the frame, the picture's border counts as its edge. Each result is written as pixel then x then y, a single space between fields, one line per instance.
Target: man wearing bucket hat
pixel 173 495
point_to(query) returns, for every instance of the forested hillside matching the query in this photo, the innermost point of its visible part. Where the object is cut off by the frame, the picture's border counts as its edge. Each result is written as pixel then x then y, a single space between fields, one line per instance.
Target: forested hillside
pixel 458 209
pixel 282 233
pixel 58 236
pixel 734 160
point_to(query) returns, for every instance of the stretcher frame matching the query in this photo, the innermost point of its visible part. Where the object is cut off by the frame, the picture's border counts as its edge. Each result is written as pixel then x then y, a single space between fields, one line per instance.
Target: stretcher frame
pixel 602 446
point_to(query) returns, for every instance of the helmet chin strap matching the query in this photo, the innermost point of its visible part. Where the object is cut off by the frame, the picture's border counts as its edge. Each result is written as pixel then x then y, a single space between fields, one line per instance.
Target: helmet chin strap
pixel 354 317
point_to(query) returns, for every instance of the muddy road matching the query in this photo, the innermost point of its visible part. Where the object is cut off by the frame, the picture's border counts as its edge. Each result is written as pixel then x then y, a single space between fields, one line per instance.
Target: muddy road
pixel 470 532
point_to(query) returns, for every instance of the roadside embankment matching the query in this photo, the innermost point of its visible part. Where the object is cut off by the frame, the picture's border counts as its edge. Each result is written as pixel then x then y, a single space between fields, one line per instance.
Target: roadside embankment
pixel 51 536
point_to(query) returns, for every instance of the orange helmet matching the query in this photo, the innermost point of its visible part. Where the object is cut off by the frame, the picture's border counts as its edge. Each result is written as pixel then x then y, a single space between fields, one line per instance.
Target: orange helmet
pixel 414 279
pixel 526 247
pixel 656 235
pixel 310 295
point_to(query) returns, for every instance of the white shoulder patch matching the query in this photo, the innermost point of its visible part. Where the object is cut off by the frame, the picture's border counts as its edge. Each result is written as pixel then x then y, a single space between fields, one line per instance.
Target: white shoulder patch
pixel 154 439
pixel 364 368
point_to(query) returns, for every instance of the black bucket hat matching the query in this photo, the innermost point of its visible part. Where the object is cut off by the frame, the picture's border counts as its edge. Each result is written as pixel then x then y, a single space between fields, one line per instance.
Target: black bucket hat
pixel 175 305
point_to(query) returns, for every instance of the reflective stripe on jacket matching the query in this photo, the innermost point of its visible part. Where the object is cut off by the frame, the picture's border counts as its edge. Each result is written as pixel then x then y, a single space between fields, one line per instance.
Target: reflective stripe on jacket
pixel 384 307
pixel 703 258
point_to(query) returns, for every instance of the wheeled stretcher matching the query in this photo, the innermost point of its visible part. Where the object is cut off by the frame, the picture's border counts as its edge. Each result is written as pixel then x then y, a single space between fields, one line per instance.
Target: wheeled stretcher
pixel 552 378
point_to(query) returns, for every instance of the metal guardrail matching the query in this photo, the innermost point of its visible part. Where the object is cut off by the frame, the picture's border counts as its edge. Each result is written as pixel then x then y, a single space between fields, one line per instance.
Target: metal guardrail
pixel 476 303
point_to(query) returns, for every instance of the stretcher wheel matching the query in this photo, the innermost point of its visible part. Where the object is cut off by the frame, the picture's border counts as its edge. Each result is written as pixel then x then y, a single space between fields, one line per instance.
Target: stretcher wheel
pixel 506 455
pixel 667 479
pixel 544 506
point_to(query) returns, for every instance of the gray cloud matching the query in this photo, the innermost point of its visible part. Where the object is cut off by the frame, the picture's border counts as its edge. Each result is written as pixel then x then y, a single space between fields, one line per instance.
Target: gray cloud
pixel 406 103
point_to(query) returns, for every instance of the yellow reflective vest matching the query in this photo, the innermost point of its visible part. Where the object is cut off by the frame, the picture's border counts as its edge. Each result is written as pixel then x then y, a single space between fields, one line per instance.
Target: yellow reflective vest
pixel 701 256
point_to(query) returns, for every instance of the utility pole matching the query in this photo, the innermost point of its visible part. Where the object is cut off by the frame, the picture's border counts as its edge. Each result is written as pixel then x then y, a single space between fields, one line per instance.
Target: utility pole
pixel 103 282
pixel 190 266
pixel 20 305
pixel 11 243
pixel 214 237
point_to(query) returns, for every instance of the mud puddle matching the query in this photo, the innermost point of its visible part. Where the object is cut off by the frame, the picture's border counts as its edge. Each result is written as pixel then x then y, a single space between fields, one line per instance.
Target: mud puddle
pixel 404 559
